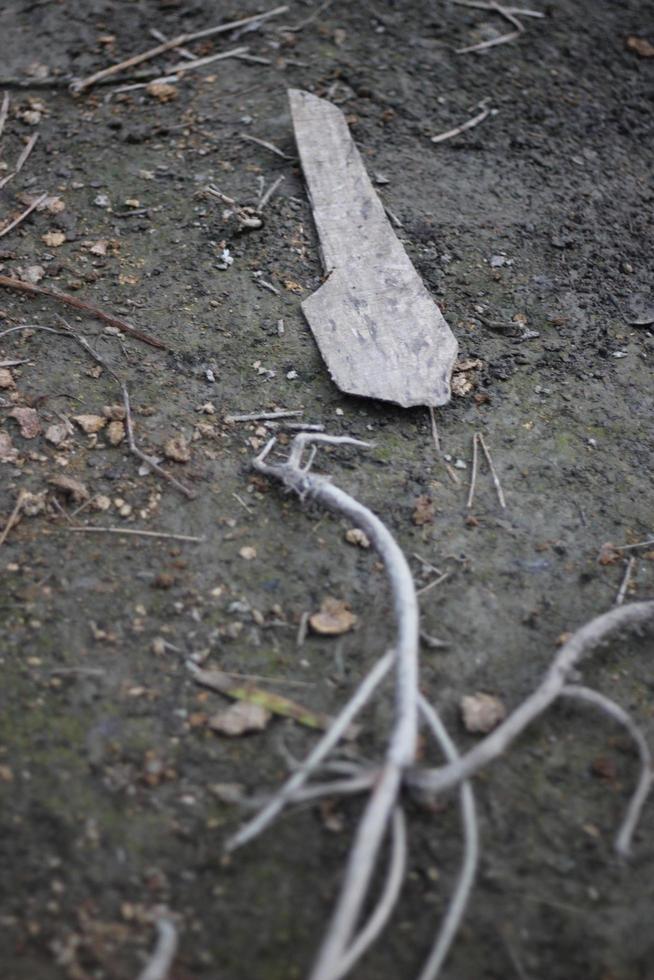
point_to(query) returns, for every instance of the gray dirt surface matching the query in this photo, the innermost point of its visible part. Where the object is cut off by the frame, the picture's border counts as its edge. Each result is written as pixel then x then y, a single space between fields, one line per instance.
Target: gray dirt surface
pixel 112 787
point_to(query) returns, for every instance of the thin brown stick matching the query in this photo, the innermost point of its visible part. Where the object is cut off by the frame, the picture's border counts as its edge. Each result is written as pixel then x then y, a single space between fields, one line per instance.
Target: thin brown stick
pixel 263 416
pixel 266 145
pixel 434 429
pixel 496 479
pixel 632 547
pixel 4 110
pixel 20 163
pixel 483 45
pixel 263 678
pixel 473 475
pixel 89 350
pixel 269 193
pixel 184 52
pixel 97 529
pixel 437 444
pixel 31 326
pixel 480 5
pixel 503 12
pixel 29 146
pixel 622 591
pixel 13 224
pixel 432 585
pixel 7 178
pixel 302 630
pixel 504 38
pixel 183 66
pixel 27 287
pixel 308 20
pixel 81 84
pixel 13 517
pixel 450 133
pixel 255 59
pixel 148 460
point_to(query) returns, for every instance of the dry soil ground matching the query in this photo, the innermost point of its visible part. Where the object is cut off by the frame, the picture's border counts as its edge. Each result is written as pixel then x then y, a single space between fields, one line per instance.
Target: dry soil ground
pixel 113 788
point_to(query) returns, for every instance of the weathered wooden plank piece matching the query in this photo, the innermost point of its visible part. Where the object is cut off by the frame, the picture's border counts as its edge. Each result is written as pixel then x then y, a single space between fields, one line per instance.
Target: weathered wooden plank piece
pixel 377 327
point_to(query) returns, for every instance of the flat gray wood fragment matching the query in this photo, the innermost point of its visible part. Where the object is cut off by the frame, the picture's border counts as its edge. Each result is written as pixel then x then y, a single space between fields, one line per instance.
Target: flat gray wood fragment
pixel 377 327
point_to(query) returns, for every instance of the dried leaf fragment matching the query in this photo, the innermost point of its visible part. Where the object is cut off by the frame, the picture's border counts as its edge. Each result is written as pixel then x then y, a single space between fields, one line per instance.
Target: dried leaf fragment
pixel 32 503
pixel 162 91
pixel 463 377
pixel 114 412
pixel 8 453
pixel 423 511
pixel 482 713
pixel 57 433
pixel 53 239
pixel 355 536
pixel 461 385
pixel 177 449
pixel 240 718
pixel 28 421
pixel 116 433
pixel 641 46
pixel 90 424
pixel 6 379
pixel 100 247
pixel 335 617
pixel 70 486
pixel 53 204
pixel 31 273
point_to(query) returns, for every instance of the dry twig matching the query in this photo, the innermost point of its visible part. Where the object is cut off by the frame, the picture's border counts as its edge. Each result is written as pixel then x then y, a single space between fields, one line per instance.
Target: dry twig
pixel 496 479
pixel 308 20
pixel 4 109
pixel 97 529
pixel 27 287
pixel 29 146
pixel 175 42
pixel 269 193
pixel 10 227
pixel 481 5
pixel 450 133
pixel 437 445
pixel 509 15
pixel 473 473
pixel 148 460
pixel 266 145
pixel 622 591
pixel 183 66
pixel 632 547
pixel 263 416
pixel 13 517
